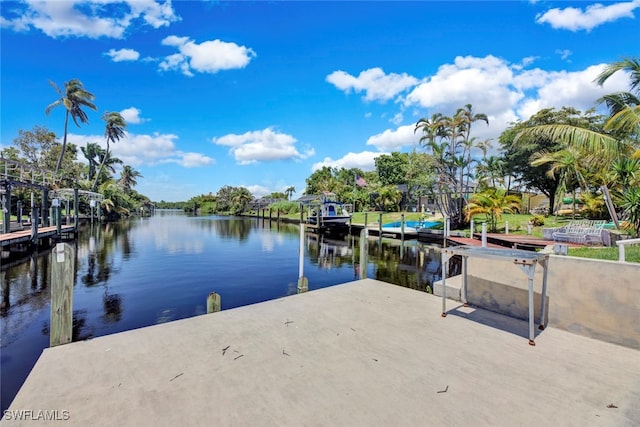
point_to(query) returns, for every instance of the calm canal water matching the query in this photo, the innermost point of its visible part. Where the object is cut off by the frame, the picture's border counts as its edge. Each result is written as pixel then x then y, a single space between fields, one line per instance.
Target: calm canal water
pixel 142 272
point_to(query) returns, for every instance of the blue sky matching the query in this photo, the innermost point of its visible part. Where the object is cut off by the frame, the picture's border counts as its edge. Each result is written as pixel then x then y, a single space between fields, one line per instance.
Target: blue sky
pixel 260 94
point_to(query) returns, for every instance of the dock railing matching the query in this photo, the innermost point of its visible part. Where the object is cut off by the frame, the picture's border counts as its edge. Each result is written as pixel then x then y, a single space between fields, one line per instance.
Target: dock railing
pixel 621 244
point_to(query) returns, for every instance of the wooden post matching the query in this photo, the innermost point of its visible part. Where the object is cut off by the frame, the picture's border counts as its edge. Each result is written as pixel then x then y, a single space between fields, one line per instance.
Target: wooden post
pixel 34 225
pixel 380 226
pixel 213 303
pixel 278 214
pixel 365 220
pixel 363 253
pixel 270 213
pixel 303 282
pixel 58 211
pixel 6 204
pixel 62 274
pixel 484 235
pixel 75 210
pixel 19 212
pixel 44 209
pixel 401 230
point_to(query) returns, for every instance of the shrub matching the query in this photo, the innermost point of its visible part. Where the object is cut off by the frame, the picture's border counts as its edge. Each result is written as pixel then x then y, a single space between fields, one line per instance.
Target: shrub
pixel 286 207
pixel 536 220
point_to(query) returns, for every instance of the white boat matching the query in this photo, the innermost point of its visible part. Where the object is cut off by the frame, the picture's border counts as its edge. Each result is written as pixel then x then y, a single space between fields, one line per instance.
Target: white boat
pixel 329 212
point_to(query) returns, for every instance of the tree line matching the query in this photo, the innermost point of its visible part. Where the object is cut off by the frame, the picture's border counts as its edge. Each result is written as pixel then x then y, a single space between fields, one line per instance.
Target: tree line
pixel 39 148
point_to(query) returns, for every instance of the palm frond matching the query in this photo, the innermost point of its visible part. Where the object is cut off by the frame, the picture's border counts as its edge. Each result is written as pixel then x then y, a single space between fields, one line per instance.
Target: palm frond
pixel 585 139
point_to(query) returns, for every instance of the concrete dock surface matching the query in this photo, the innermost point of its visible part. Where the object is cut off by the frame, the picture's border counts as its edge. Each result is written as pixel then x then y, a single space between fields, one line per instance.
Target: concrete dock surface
pixel 365 353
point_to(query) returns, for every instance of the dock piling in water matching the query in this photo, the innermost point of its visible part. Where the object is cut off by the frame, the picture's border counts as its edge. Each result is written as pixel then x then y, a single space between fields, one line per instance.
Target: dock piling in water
pixel 213 303
pixel 62 275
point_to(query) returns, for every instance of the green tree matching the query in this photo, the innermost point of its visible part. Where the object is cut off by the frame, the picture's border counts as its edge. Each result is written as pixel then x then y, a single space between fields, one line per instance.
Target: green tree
pixel 35 144
pixel 74 98
pixel 289 192
pixel 128 178
pixel 92 152
pixel 113 132
pixel 624 107
pixel 389 198
pixel 630 204
pixel 450 143
pixel 568 166
pixel 240 199
pixel 392 169
pixel 492 203
pixel 519 144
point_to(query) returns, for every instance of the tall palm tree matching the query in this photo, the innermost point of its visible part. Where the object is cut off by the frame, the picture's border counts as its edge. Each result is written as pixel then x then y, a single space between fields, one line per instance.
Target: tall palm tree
pixel 128 178
pixel 74 98
pixel 113 132
pixel 449 139
pixel 289 192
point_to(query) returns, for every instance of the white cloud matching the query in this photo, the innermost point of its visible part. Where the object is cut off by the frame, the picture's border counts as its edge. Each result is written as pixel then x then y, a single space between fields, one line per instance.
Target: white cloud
pixel 194 160
pixel 206 57
pixel 364 160
pixel 394 140
pixel 131 115
pixel 137 150
pixel 575 89
pixel 482 82
pixel 505 92
pixel 123 55
pixel 374 82
pixel 397 119
pixel 93 19
pixel 262 145
pixel 574 19
pixel 258 190
pixel 564 53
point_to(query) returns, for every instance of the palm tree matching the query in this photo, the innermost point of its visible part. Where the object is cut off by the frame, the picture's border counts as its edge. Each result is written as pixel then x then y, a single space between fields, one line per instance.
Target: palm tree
pixel 91 152
pixel 450 142
pixel 389 197
pixel 114 130
pixel 74 98
pixel 240 198
pixel 492 202
pixel 630 204
pixel 569 165
pixel 622 125
pixel 624 107
pixel 128 178
pixel 289 192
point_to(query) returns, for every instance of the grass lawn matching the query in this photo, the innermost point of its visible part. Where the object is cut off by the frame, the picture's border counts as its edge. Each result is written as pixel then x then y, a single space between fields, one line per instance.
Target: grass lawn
pixel 632 253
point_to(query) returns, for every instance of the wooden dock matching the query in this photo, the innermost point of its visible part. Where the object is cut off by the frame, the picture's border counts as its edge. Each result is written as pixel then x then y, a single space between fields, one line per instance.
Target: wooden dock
pixel 24 236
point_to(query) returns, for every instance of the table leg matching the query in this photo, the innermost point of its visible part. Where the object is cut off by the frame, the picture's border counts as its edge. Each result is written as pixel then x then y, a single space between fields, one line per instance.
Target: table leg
pixel 543 309
pixel 445 269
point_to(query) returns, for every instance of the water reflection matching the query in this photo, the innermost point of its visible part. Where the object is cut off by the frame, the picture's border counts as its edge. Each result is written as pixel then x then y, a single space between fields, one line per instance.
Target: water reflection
pixel 141 272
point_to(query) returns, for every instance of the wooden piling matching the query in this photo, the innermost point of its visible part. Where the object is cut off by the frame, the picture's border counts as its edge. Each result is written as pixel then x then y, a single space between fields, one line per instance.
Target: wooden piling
pixel 213 303
pixel 62 274
pixel 363 253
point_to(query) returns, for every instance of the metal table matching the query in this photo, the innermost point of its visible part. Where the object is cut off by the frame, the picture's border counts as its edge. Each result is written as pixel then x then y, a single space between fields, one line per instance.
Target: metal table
pixel 526 260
